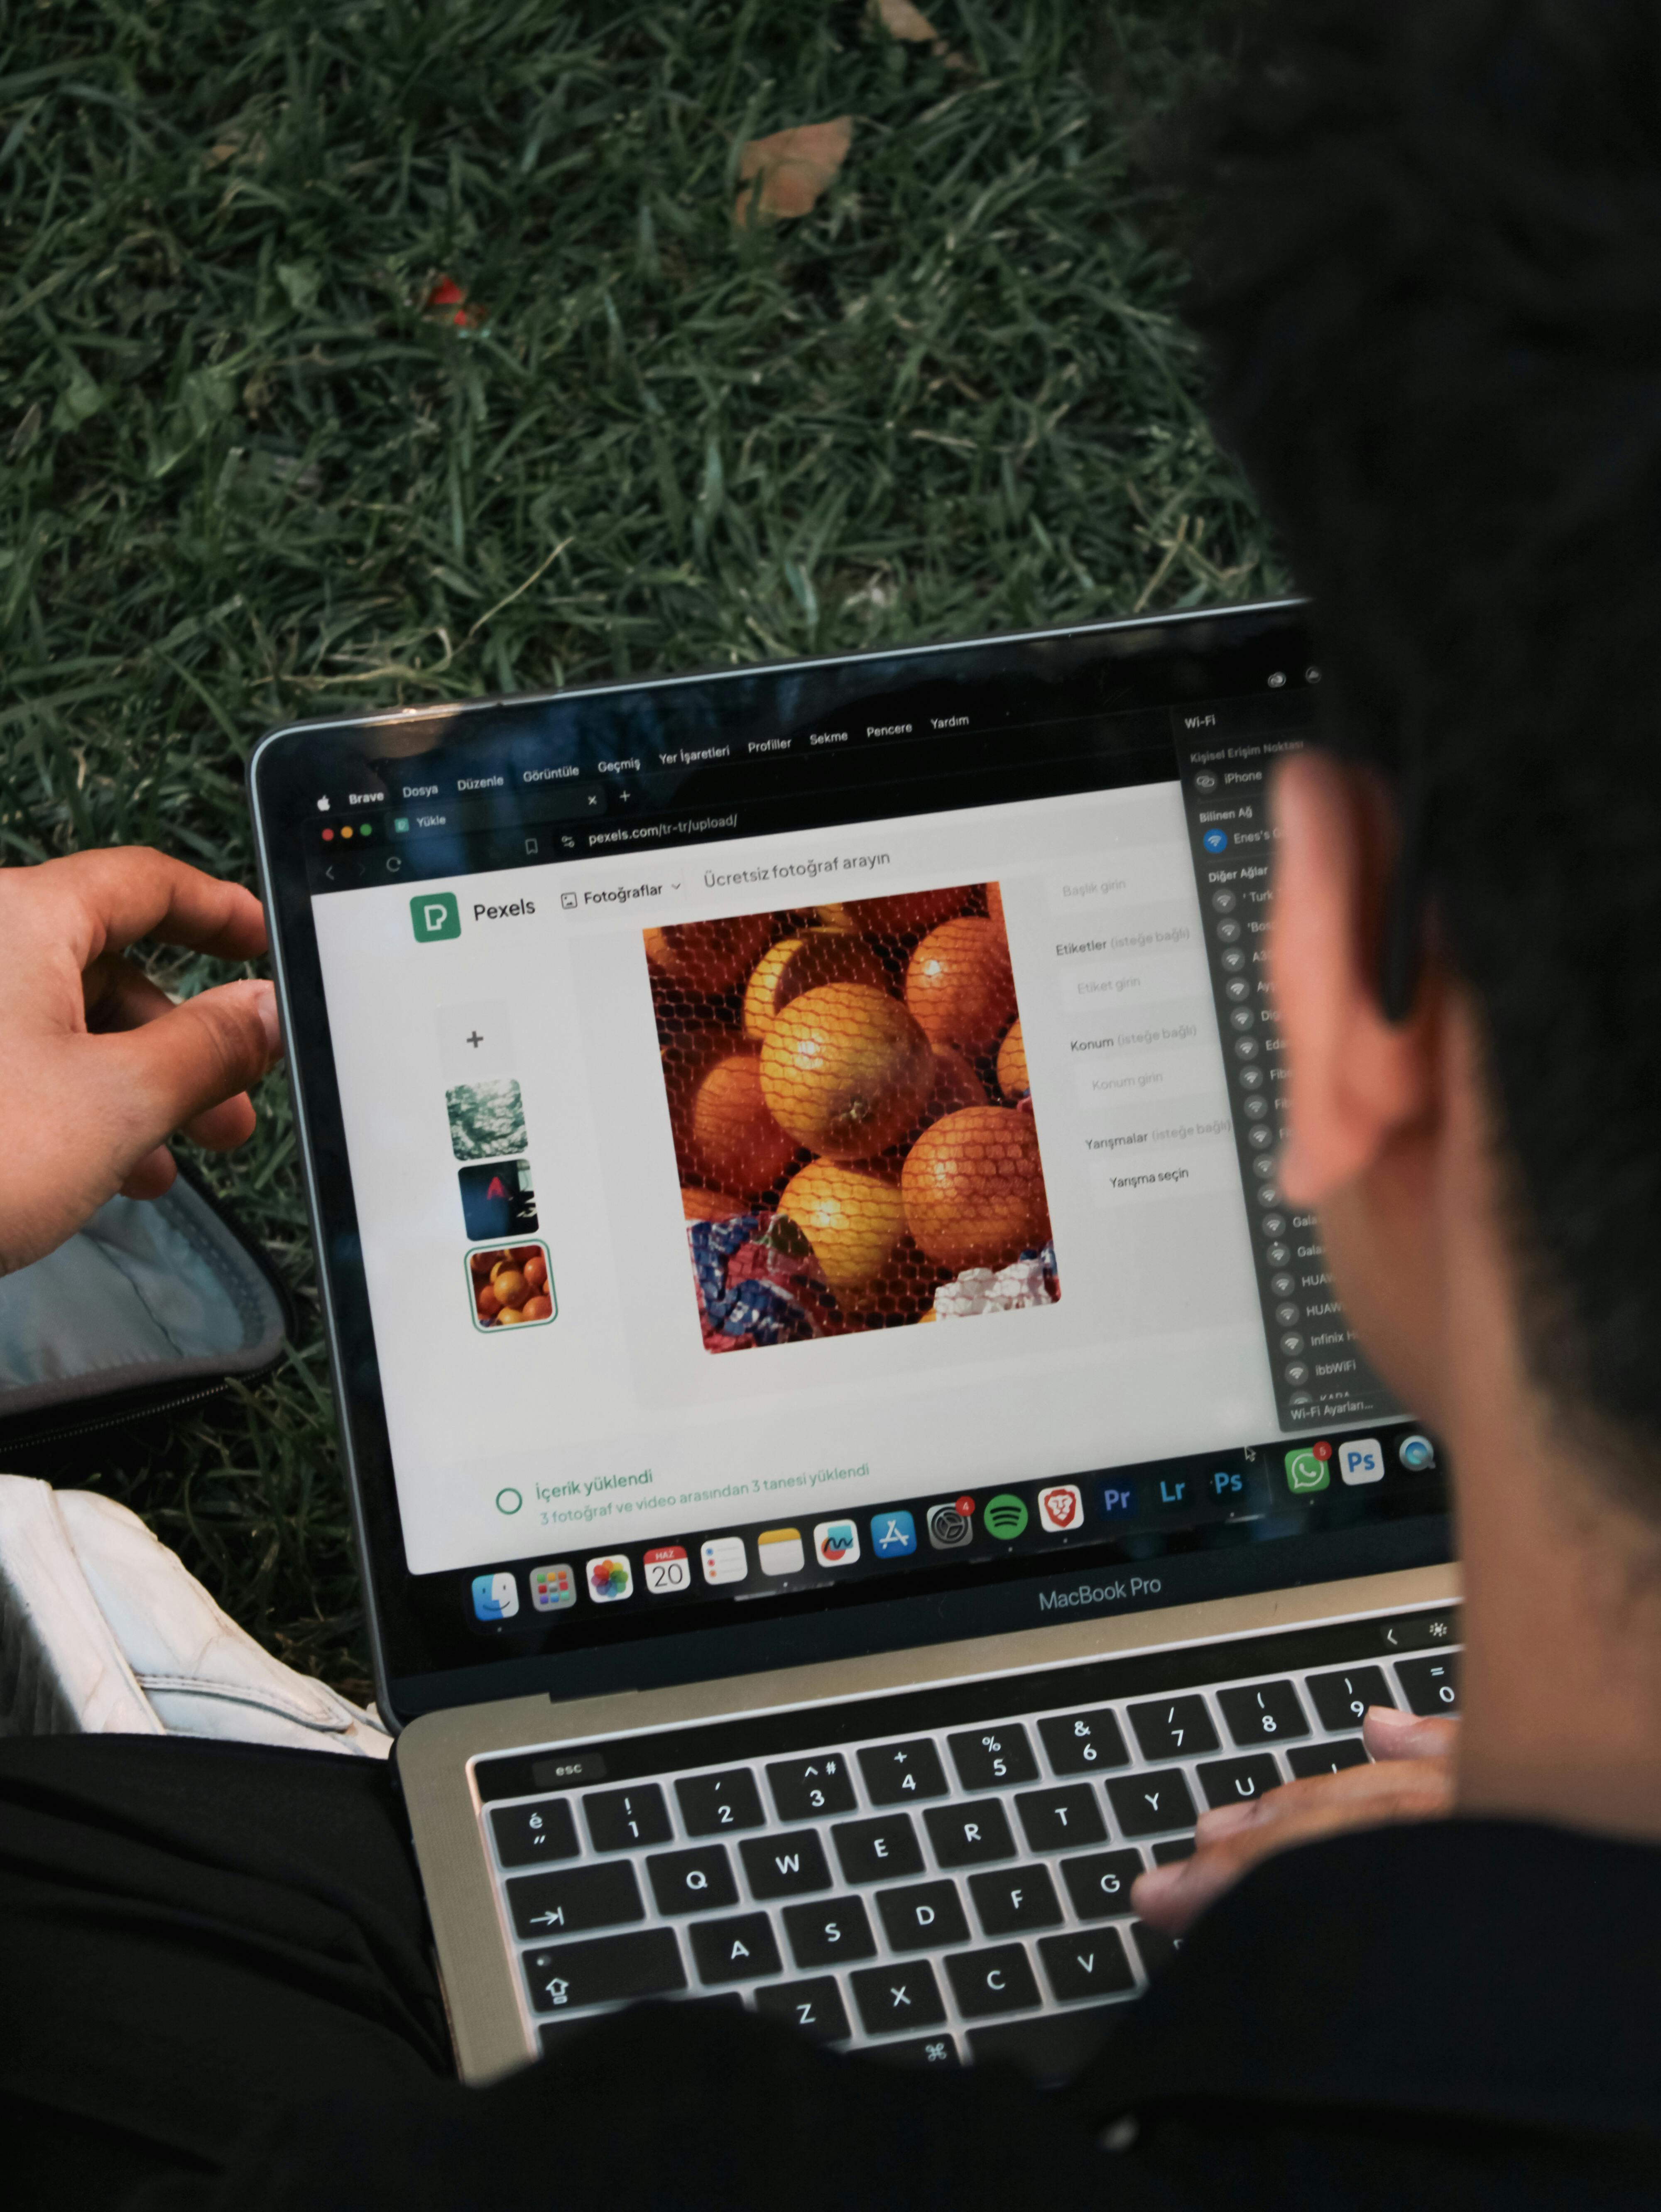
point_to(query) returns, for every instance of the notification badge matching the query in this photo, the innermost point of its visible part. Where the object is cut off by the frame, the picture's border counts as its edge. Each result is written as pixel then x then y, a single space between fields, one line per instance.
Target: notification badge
pixel 1061 1508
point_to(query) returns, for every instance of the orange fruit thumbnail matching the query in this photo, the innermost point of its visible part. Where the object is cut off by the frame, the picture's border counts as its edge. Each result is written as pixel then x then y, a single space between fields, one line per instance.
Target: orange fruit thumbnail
pixel 708 956
pixel 960 985
pixel 734 1138
pixel 853 1217
pixel 510 1287
pixel 802 963
pixel 973 1186
pixel 845 1069
pixel 538 1309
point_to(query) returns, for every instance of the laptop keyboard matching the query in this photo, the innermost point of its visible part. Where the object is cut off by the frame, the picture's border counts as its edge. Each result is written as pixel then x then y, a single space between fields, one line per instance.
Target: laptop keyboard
pixel 939 1876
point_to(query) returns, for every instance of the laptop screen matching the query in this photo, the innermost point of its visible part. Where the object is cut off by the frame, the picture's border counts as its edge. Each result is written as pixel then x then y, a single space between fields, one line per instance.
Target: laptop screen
pixel 795 1157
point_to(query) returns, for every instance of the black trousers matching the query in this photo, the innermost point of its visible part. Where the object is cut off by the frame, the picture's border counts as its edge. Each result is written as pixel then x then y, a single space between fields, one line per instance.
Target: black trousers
pixel 217 1991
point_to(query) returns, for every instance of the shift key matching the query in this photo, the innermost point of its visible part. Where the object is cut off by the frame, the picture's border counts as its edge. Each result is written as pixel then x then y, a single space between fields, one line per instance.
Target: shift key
pixel 604 1969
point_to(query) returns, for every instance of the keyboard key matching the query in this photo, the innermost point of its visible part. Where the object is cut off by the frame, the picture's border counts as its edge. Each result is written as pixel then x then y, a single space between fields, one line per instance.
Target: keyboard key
pixel 1307 1759
pixel 736 1950
pixel 1237 1781
pixel 899 1773
pixel 993 1758
pixel 903 1996
pixel 1262 1712
pixel 551 2033
pixel 878 1850
pixel 784 1866
pixel 712 1802
pixel 1341 1699
pixel 920 2050
pixel 816 2007
pixel 1155 1949
pixel 1053 2049
pixel 1430 1686
pixel 692 1881
pixel 968 1835
pixel 1018 1898
pixel 545 1906
pixel 828 1935
pixel 603 1970
pixel 1091 1963
pixel 922 1916
pixel 985 1982
pixel 1174 1848
pixel 1099 1886
pixel 526 1835
pixel 1061 1820
pixel 1078 1742
pixel 1147 1804
pixel 808 1789
pixel 620 1818
pixel 1173 1728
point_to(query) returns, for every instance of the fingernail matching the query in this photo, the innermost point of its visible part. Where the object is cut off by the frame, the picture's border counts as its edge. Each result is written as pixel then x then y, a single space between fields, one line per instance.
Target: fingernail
pixel 266 1002
pixel 1386 1720
pixel 1225 1820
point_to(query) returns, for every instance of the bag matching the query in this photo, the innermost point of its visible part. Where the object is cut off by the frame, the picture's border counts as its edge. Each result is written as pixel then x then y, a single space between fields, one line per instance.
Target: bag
pixel 155 1305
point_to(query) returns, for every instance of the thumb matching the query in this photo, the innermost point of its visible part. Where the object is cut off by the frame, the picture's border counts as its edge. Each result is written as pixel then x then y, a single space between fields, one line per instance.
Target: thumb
pixel 195 1056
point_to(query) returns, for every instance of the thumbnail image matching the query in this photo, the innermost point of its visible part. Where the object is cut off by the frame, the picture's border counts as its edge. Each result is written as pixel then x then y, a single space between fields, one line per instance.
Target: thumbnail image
pixel 852 1117
pixel 487 1120
pixel 511 1285
pixel 498 1200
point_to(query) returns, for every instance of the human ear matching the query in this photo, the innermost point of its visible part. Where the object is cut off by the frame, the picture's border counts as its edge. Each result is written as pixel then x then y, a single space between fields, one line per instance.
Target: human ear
pixel 1356 1082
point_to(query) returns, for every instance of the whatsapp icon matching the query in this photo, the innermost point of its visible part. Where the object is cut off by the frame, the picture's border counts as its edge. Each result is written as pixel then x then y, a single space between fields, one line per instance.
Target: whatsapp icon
pixel 1307 1470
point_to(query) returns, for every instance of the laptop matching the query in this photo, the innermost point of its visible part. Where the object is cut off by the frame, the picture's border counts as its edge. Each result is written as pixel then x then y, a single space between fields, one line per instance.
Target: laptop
pixel 851 1448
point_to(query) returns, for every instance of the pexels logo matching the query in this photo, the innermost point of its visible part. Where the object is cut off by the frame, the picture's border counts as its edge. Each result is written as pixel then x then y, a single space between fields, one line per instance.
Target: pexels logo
pixel 1114 1592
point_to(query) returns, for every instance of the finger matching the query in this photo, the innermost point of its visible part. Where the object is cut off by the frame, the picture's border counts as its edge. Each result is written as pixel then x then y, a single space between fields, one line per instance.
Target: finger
pixel 1388 1734
pixel 153 1177
pixel 108 900
pixel 224 1126
pixel 121 996
pixel 194 1058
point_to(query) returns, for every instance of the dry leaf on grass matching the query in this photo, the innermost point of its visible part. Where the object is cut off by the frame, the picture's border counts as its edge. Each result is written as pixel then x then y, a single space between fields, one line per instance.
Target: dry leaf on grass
pixel 793 166
pixel 902 21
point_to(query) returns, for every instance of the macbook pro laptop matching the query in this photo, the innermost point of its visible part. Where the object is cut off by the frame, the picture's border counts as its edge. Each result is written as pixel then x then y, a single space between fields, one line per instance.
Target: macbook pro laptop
pixel 852 1449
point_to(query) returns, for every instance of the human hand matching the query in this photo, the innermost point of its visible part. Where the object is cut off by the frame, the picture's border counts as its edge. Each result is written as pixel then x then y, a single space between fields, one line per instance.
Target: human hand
pixel 1411 1779
pixel 98 1065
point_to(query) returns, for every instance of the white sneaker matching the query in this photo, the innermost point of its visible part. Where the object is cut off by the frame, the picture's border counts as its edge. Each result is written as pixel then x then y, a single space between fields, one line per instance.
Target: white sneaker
pixel 103 1631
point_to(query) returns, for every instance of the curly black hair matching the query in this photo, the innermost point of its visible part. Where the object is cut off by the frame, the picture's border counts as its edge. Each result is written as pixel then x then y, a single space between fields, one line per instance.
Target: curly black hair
pixel 1428 266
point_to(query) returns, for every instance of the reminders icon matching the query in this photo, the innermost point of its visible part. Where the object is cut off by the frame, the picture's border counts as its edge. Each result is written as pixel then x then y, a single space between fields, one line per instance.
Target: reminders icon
pixel 780 1552
pixel 724 1560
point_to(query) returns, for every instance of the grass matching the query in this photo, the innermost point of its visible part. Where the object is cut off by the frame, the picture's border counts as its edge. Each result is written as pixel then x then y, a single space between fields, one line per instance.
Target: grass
pixel 249 477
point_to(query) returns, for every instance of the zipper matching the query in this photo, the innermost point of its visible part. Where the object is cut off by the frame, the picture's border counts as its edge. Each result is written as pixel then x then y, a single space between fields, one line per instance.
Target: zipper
pixel 121 1420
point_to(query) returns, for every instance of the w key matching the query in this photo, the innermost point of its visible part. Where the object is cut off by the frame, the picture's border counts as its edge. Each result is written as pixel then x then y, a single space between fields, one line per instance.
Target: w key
pixel 785 1866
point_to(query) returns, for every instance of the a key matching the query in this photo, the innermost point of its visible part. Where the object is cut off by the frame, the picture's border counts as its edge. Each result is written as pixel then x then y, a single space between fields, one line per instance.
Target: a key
pixel 969 1835
pixel 878 1850
pixel 919 2050
pixel 692 1881
pixel 738 1950
pixel 993 1758
pixel 528 1835
pixel 1430 1686
pixel 620 1818
pixel 1149 1804
pixel 545 1906
pixel 1061 1820
pixel 1341 1699
pixel 903 1996
pixel 1173 1728
pixel 604 1969
pixel 1237 1781
pixel 828 1935
pixel 1307 1759
pixel 809 1788
pixel 784 1866
pixel 922 1916
pixel 1091 1964
pixel 816 2006
pixel 902 1773
pixel 1081 1743
pixel 1155 1949
pixel 1099 1886
pixel 710 1804
pixel 1000 1980
pixel 1018 1898
pixel 1262 1712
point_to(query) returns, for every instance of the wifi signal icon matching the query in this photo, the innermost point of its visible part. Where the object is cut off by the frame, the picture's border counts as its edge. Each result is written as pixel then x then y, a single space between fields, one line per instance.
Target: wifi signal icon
pixel 1004 1516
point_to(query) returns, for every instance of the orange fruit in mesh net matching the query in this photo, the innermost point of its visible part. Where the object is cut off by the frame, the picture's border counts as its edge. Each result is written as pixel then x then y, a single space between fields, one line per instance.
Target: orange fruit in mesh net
pixel 697 1204
pixel 802 963
pixel 908 914
pixel 853 1217
pixel 846 1070
pixel 994 902
pixel 973 1186
pixel 732 1136
pixel 955 1086
pixel 708 956
pixel 959 983
pixel 1013 1079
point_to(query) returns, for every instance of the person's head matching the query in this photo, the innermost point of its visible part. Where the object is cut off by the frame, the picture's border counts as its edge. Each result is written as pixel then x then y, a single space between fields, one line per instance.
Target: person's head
pixel 1429 269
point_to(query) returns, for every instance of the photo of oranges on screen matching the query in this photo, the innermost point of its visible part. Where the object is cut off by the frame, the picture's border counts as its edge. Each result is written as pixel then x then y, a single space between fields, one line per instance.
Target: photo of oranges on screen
pixel 511 1287
pixel 852 1117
